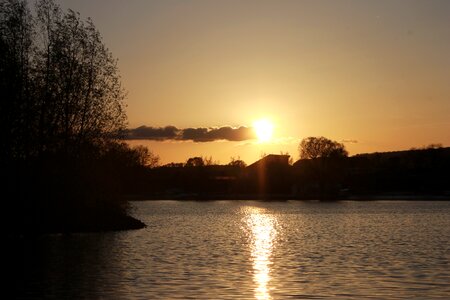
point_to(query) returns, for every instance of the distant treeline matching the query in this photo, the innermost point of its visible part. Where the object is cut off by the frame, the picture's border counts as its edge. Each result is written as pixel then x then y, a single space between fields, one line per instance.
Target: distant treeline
pixel 413 173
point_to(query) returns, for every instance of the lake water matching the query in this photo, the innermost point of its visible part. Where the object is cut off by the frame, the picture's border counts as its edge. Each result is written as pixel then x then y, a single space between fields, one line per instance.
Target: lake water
pixel 248 250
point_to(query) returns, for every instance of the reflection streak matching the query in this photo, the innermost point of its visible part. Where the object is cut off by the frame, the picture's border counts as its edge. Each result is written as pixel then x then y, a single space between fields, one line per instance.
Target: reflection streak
pixel 262 233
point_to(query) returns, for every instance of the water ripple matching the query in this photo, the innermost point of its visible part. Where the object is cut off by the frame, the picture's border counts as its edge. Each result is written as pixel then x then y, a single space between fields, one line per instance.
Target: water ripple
pixel 248 250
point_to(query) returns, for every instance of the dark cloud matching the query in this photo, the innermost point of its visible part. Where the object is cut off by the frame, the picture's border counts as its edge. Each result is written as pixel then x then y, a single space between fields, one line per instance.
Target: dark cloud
pixel 235 134
pixel 201 134
pixel 222 133
pixel 152 133
pixel 195 134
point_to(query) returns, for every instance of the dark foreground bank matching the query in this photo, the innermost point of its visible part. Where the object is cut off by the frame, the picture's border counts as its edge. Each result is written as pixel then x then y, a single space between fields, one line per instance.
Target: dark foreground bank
pixel 86 225
pixel 65 196
pixel 114 223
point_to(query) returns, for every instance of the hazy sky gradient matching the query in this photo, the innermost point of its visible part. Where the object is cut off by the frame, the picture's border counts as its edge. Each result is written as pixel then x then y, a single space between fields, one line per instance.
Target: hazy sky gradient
pixel 373 71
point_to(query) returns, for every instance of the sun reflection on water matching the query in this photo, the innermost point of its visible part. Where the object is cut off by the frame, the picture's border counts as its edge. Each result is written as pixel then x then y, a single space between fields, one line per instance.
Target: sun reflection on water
pixel 262 231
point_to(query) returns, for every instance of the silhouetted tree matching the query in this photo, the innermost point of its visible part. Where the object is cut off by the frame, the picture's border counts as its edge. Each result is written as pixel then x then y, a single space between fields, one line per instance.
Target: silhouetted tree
pixel 79 94
pixel 237 163
pixel 208 161
pixel 16 104
pixel 61 112
pixel 195 162
pixel 145 157
pixel 321 166
pixel 315 147
pixel 59 83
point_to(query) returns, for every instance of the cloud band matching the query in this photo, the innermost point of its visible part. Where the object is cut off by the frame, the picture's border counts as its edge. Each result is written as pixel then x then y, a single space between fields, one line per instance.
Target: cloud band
pixel 201 134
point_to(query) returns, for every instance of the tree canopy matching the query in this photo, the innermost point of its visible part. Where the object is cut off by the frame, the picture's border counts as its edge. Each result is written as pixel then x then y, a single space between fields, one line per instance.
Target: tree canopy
pixel 315 147
pixel 195 162
pixel 61 113
pixel 59 83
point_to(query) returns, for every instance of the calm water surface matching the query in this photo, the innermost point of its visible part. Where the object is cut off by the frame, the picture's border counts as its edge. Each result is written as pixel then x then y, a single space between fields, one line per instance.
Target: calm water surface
pixel 248 250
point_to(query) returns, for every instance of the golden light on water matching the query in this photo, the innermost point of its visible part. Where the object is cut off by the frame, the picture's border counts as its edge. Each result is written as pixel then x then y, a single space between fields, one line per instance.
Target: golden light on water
pixel 262 233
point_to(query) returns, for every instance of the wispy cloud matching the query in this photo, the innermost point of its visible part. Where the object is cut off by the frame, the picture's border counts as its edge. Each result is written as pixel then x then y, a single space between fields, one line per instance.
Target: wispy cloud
pixel 200 134
pixel 349 141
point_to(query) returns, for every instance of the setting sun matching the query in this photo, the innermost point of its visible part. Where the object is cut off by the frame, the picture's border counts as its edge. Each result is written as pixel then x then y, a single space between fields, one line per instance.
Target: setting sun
pixel 263 129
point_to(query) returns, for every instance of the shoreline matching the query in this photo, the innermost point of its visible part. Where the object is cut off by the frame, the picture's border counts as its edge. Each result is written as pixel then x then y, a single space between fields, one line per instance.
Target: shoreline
pixel 120 223
pixel 197 197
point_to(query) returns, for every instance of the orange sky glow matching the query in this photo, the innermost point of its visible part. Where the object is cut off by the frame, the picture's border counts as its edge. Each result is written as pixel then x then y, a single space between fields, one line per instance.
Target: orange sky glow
pixel 372 74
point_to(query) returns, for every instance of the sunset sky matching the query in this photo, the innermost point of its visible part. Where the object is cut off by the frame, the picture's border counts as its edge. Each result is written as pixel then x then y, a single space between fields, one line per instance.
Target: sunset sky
pixel 372 74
